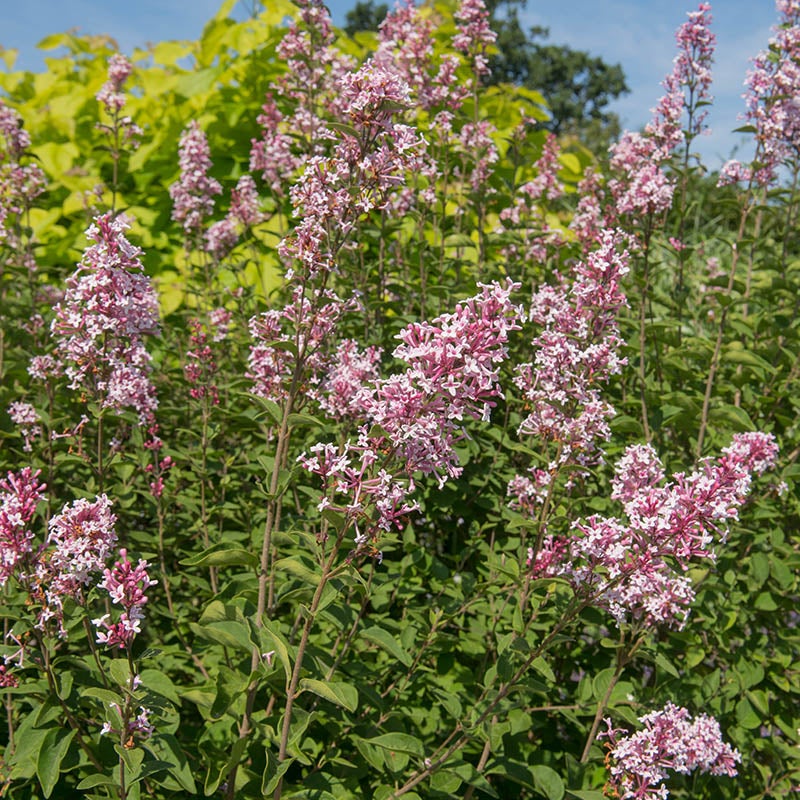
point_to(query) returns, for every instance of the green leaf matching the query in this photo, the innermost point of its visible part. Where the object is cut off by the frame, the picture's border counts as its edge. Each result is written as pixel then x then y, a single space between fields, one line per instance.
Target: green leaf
pixel 548 781
pixel 98 779
pixel 342 694
pixel 543 668
pixel 273 772
pixel 601 682
pixel 53 749
pixel 165 747
pixel 228 633
pixel 661 661
pixel 589 794
pixel 133 758
pixel 272 639
pixel 736 417
pixel 387 642
pixel 400 742
pixel 222 555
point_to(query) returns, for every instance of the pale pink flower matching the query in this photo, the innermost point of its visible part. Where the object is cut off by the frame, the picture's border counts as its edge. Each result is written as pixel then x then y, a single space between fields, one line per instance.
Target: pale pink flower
pixel 193 193
pixel 108 309
pixel 670 740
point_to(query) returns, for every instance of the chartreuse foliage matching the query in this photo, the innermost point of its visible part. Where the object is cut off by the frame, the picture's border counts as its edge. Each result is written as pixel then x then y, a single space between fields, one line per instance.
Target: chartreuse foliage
pixel 292 647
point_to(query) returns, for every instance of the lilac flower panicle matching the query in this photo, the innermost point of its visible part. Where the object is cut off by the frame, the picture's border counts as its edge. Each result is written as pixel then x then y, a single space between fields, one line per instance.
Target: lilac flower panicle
pixel 20 493
pixel 20 183
pixel 126 585
pixel 640 185
pixel 193 193
pixel 416 418
pixel 111 94
pixel 575 354
pixel 635 567
pixel 772 99
pixel 99 327
pixel 83 535
pixel 474 35
pixel 27 418
pixel 670 740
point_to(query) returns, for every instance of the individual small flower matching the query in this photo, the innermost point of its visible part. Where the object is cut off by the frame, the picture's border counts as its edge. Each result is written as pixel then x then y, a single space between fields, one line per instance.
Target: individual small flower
pixel 193 193
pixel 26 417
pixel 670 740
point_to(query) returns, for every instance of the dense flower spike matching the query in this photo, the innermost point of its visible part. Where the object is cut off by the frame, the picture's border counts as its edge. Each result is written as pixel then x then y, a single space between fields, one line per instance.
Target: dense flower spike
pixel 773 99
pixel 126 585
pixel 640 186
pixel 407 43
pixel 20 183
pixel 636 569
pixel 474 35
pixel 19 495
pixel 349 373
pixel 107 310
pixel 670 740
pixel 193 193
pixel 26 417
pixel 111 94
pixel 419 414
pixel 575 355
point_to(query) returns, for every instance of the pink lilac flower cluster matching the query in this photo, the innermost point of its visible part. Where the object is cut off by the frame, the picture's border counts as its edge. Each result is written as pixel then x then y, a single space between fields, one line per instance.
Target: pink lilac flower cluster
pixel 527 215
pixel 126 585
pixel 112 97
pixel 138 727
pixel 474 36
pixel 20 493
pixel 158 468
pixel 223 235
pixel 474 141
pixel 20 184
pixel 640 185
pixel 79 541
pixel 193 193
pixel 349 372
pixel 589 218
pixel 309 87
pixel 111 94
pixel 772 102
pixel 670 740
pixel 7 679
pixel 201 364
pixel 27 418
pixel 575 354
pixel 297 334
pixel 365 167
pixel 108 309
pixel 636 567
pixel 406 45
pixel 417 417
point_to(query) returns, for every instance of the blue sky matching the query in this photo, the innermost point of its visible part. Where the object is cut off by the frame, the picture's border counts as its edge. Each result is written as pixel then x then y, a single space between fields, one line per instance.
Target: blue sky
pixel 636 33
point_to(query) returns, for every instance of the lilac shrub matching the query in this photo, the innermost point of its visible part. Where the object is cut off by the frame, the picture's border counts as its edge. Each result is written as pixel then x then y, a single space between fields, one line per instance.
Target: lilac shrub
pixel 399 457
